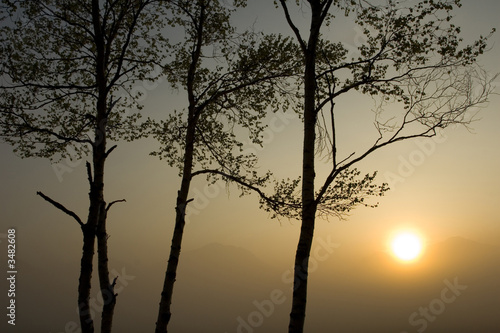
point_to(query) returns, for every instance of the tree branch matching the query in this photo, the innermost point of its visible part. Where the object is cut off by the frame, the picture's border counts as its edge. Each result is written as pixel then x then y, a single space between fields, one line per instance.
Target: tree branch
pixel 294 28
pixel 273 203
pixel 110 150
pixel 113 202
pixel 61 207
pixel 89 172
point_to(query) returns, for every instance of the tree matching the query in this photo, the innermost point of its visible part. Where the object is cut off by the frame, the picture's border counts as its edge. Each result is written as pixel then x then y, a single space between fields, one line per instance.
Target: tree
pixel 232 80
pixel 67 72
pixel 412 58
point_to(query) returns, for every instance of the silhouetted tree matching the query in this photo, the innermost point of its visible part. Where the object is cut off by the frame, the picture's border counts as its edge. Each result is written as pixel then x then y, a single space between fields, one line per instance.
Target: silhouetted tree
pixel 411 57
pixel 67 71
pixel 232 81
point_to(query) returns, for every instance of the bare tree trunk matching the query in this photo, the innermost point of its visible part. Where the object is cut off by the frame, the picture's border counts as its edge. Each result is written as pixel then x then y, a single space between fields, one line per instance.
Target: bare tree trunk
pixel 89 235
pixel 164 312
pixel 309 205
pixel 298 313
pixel 107 288
pixel 86 321
pixel 96 181
pixel 89 232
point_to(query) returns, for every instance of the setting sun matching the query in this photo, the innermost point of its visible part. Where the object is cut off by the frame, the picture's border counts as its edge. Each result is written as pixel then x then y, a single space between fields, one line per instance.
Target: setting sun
pixel 406 246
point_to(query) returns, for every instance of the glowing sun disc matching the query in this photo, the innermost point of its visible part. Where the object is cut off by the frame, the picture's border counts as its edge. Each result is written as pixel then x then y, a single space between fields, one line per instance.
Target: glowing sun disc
pixel 406 246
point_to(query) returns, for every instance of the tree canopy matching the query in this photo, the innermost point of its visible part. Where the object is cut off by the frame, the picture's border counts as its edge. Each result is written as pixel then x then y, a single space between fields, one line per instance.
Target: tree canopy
pixel 51 53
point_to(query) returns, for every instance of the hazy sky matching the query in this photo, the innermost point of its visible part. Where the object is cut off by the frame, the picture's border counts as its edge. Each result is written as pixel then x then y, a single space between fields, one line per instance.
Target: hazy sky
pixel 447 190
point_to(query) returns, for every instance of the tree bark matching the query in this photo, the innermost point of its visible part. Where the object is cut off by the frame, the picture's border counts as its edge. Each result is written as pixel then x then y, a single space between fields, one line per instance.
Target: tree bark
pixel 97 205
pixel 164 313
pixel 107 288
pixel 298 313
pixel 89 235
pixel 96 195
pixel 309 206
pixel 84 281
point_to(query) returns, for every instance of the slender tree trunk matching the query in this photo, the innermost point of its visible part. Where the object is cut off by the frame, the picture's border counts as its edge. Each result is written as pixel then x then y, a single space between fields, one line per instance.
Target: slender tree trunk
pixel 298 313
pixel 309 206
pixel 164 312
pixel 96 195
pixel 96 208
pixel 107 288
pixel 86 321
pixel 89 235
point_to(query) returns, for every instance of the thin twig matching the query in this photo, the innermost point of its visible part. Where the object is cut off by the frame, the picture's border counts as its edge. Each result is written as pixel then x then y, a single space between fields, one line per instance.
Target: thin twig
pixel 113 202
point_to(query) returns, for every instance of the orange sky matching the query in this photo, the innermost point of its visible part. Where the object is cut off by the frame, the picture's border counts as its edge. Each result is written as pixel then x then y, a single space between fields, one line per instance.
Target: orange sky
pixel 447 189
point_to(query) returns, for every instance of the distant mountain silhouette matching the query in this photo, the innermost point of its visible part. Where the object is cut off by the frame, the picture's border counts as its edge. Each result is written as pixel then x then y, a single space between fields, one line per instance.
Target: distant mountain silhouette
pixel 378 289
pixel 219 283
pixel 218 286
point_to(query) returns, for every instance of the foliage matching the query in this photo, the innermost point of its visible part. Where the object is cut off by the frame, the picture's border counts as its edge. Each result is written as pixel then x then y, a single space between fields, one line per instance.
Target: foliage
pixel 240 77
pixel 412 57
pixel 49 88
pixel 346 193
